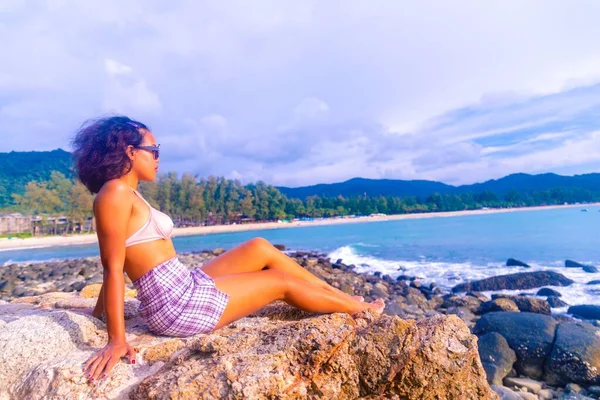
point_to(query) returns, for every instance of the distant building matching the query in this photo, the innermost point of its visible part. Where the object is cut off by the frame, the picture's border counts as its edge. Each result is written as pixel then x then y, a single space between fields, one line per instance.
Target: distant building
pixel 14 223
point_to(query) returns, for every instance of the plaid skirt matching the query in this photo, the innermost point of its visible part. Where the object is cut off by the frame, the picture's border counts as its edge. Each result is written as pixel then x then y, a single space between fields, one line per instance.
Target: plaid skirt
pixel 178 302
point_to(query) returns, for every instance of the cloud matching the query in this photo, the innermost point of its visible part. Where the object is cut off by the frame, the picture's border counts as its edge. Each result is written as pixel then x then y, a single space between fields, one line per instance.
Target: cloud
pixel 310 108
pixel 126 93
pixel 308 92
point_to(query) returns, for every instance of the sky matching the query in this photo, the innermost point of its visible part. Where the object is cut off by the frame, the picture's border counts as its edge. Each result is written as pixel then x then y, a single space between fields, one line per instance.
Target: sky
pixel 302 92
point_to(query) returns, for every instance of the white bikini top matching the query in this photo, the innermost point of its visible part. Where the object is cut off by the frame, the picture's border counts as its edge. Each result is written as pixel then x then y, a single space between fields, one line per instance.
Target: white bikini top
pixel 158 226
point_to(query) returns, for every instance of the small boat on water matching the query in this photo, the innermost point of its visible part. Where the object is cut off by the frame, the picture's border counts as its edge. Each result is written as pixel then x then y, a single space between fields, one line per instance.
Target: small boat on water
pixel 584 210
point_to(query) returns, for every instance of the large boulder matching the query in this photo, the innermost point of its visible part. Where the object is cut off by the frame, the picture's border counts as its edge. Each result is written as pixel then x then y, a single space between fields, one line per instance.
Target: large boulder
pixel 496 357
pixel 336 357
pixel 575 356
pixel 530 335
pixel 518 281
pixel 278 352
pixel 527 304
pixel 574 264
pixel 585 311
pixel 587 268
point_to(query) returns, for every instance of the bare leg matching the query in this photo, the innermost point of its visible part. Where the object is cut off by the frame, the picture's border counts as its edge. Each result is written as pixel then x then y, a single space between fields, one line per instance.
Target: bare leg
pixel 256 254
pixel 248 292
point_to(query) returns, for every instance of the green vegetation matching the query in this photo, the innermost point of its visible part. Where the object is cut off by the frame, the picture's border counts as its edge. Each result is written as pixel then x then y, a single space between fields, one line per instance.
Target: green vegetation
pixel 19 168
pixel 41 184
pixel 191 201
pixel 23 235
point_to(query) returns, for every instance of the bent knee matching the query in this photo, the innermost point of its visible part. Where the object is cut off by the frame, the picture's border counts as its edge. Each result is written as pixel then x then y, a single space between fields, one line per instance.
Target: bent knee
pixel 259 243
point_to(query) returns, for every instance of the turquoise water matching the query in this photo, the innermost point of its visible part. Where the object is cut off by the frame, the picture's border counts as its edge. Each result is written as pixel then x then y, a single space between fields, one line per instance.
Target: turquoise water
pixel 446 251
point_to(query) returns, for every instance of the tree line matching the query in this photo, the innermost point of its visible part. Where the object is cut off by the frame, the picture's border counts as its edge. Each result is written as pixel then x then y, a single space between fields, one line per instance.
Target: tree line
pixel 191 201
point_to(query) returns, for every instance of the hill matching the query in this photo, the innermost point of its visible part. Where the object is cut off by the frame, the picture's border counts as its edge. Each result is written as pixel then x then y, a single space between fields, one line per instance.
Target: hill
pixel 19 168
pixel 522 183
pixel 371 187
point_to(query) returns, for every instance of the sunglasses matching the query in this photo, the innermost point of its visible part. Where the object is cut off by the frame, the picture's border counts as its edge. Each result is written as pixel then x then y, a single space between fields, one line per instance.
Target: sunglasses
pixel 154 149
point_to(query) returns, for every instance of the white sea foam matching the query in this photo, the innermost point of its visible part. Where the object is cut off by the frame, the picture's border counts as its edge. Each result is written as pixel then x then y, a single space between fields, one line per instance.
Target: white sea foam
pixel 447 275
pixel 49 260
pixel 26 248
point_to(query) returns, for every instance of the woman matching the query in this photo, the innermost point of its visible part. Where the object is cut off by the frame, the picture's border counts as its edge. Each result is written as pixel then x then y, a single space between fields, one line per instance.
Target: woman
pixel 111 156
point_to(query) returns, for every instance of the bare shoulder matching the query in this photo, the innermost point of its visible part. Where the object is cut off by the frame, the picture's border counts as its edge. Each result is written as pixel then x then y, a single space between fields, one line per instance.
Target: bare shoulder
pixel 114 192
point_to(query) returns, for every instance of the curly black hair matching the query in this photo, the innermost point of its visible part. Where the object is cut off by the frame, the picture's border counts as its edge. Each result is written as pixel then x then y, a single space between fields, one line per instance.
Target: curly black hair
pixel 99 149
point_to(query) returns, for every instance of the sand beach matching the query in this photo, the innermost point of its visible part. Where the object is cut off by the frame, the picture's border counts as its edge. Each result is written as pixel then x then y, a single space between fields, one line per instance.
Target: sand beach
pixel 16 243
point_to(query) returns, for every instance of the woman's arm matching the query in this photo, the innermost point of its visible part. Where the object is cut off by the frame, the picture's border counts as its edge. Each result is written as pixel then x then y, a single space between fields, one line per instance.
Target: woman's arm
pixel 112 208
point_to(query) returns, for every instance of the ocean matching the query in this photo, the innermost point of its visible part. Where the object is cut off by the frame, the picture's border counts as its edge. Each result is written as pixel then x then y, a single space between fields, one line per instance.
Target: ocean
pixel 446 251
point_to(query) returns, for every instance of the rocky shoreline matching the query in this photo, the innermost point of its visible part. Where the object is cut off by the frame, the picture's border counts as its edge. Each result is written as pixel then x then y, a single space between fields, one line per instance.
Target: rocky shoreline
pixel 525 351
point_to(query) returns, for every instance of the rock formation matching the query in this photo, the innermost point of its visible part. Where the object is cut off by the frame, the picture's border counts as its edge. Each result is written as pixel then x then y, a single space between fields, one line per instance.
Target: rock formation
pixel 279 352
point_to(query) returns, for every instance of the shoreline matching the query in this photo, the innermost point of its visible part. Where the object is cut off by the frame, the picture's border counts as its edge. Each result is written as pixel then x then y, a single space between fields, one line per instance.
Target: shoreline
pixel 55 241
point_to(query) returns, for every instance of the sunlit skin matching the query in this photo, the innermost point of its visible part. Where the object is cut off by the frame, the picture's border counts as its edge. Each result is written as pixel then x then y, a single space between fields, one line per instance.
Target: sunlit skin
pixel 253 274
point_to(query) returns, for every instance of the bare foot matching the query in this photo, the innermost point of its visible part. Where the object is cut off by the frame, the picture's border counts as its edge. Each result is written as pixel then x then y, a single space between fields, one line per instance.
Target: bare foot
pixel 377 305
pixel 358 298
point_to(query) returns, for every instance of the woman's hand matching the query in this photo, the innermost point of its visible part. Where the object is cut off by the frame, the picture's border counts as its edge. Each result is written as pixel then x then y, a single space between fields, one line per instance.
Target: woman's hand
pixel 101 363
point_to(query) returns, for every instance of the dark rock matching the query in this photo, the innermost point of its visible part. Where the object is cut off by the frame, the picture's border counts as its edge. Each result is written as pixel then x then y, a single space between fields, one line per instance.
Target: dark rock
pixel 548 292
pixel 405 278
pixel 555 302
pixel 591 269
pixel 594 282
pixel 280 247
pixel 511 262
pixel 530 335
pixel 502 304
pixel 77 286
pixel 518 281
pixel 400 286
pixel 573 264
pixel 575 356
pixel 585 311
pixel 594 389
pixel 415 284
pixel 496 357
